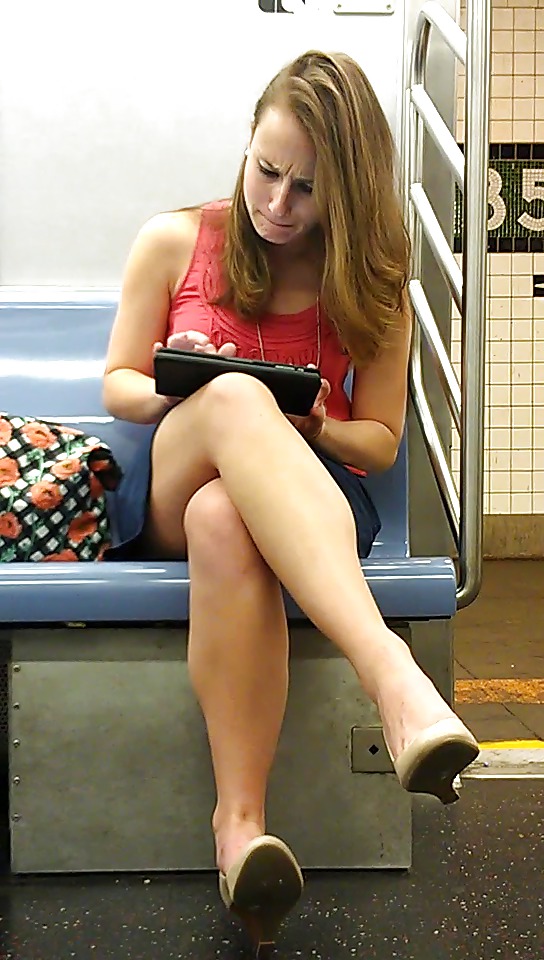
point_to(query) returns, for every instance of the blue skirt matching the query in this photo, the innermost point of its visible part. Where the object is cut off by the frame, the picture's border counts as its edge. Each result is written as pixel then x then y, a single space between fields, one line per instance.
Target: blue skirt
pixel 129 504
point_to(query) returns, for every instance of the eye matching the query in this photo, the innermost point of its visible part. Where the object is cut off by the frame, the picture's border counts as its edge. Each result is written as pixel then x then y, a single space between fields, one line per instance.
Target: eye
pixel 271 174
pixel 306 188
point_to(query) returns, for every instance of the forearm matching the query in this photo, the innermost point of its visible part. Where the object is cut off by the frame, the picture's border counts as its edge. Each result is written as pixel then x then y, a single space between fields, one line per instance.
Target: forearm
pixel 365 444
pixel 130 395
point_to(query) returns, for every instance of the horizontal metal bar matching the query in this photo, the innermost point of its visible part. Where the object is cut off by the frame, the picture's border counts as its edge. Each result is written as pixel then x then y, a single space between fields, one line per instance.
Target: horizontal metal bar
pixel 440 132
pixel 438 242
pixel 444 368
pixel 451 33
pixel 433 443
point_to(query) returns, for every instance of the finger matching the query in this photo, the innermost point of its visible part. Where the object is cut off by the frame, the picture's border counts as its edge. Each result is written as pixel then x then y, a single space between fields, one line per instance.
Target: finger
pixel 195 336
pixel 187 340
pixel 227 350
pixel 157 346
pixel 209 348
pixel 324 390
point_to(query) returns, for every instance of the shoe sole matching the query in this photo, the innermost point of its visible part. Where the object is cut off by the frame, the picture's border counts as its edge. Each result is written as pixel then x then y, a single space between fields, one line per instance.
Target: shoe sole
pixel 436 772
pixel 268 885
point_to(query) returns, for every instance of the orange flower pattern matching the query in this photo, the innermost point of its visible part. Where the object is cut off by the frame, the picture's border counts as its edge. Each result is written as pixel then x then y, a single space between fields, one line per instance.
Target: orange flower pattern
pixel 81 527
pixel 9 526
pixel 9 471
pixel 52 504
pixel 63 556
pixel 5 430
pixel 38 435
pixel 45 495
pixel 65 468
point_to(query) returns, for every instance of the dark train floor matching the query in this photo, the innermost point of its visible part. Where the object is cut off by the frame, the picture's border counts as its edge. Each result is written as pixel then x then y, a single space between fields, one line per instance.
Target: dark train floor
pixel 475 892
pixel 476 888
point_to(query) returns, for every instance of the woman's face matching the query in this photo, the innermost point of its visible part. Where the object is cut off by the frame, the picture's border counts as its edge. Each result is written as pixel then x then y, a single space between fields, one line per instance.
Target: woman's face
pixel 278 179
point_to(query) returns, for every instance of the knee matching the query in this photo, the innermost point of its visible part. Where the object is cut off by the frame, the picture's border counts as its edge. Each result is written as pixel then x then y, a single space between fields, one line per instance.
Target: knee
pixel 233 392
pixel 216 534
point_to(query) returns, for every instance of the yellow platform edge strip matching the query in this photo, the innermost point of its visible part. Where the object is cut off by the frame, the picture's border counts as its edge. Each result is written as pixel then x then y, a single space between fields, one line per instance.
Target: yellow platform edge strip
pixel 500 691
pixel 512 745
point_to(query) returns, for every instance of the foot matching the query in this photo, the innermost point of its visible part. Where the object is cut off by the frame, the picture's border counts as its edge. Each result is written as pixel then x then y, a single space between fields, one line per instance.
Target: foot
pixel 408 701
pixel 428 743
pixel 434 759
pixel 232 838
pixel 262 887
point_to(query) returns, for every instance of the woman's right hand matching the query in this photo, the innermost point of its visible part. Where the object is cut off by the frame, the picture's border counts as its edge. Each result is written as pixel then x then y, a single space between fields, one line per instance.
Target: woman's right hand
pixel 199 343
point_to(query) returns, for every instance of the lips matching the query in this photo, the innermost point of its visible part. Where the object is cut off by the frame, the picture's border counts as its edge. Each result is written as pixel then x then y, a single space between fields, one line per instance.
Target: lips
pixel 274 224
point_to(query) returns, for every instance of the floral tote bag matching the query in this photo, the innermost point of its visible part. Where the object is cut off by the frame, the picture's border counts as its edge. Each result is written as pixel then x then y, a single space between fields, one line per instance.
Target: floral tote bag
pixel 53 483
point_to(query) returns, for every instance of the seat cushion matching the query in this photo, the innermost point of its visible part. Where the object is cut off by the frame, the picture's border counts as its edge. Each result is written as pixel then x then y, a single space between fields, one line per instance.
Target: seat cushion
pixel 149 592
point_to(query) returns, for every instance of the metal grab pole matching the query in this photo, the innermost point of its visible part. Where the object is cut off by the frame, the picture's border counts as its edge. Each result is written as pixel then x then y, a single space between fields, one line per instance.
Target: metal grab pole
pixel 464 514
pixel 473 336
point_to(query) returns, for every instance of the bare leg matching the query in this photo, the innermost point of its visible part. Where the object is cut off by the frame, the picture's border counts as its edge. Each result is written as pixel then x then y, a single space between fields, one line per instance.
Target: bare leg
pixel 301 525
pixel 238 663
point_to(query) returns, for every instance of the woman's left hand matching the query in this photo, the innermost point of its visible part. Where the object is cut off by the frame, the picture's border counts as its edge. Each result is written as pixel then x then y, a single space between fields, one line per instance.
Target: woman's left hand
pixel 311 426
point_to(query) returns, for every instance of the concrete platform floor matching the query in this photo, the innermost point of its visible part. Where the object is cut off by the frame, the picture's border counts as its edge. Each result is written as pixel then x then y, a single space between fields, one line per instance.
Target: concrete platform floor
pixel 474 893
pixel 501 637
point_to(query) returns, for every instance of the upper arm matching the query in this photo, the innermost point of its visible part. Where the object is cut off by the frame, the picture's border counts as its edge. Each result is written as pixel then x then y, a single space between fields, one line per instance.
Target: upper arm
pixel 380 390
pixel 161 249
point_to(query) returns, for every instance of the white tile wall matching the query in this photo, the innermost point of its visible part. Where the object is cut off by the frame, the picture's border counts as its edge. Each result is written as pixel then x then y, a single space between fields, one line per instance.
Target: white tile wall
pixel 514 406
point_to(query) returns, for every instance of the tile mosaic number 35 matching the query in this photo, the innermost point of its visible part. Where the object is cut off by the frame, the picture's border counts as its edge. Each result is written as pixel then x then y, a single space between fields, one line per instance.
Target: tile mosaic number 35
pixel 516 200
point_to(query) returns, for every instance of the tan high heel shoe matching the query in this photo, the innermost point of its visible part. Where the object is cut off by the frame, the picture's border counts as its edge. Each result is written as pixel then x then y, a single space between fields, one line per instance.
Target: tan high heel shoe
pixel 432 761
pixel 262 887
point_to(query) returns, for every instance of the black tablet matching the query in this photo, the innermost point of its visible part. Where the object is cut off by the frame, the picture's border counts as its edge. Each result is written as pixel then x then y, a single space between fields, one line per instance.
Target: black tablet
pixel 178 373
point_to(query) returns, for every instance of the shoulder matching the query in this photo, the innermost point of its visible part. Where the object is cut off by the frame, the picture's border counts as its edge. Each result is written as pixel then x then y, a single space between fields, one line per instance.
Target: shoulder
pixel 167 241
pixel 169 232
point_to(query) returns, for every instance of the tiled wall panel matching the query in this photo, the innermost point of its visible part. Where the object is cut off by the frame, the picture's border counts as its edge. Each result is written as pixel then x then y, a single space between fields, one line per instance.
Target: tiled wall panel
pixel 514 400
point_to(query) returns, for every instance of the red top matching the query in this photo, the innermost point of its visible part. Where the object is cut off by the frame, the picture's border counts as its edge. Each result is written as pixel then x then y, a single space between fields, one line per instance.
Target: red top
pixel 287 337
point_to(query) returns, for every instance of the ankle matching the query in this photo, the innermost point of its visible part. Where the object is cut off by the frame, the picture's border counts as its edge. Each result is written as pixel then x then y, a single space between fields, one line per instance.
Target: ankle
pixel 394 666
pixel 237 819
pixel 232 836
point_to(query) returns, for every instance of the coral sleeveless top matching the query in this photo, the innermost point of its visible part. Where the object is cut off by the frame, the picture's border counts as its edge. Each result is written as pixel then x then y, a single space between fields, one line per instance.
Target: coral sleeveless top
pixel 287 338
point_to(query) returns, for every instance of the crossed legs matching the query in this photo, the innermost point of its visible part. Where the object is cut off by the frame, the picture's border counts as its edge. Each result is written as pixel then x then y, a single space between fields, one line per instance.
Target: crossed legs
pixel 238 663
pixel 236 487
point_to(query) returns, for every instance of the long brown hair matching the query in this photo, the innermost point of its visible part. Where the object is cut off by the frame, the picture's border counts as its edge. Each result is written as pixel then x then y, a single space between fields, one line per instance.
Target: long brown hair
pixel 365 245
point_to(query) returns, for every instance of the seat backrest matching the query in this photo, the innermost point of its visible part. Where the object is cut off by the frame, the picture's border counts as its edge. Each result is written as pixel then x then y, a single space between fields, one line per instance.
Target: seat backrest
pixel 51 367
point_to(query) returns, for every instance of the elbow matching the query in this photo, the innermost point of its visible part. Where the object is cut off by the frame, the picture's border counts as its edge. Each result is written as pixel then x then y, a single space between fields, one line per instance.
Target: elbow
pixel 387 454
pixel 113 395
pixel 108 396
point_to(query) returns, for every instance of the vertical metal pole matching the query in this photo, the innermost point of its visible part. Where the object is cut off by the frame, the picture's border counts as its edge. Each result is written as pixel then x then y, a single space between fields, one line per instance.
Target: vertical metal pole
pixel 475 217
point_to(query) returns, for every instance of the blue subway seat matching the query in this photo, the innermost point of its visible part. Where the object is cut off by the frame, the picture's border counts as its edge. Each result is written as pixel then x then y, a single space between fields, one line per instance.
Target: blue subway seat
pixel 51 365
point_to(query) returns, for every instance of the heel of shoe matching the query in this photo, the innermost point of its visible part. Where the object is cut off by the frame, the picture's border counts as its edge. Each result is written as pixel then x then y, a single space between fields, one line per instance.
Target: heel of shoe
pixel 262 924
pixel 262 888
pixel 434 760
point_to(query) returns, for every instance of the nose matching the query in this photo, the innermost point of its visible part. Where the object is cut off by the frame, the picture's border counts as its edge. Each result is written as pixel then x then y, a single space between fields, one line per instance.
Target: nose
pixel 278 203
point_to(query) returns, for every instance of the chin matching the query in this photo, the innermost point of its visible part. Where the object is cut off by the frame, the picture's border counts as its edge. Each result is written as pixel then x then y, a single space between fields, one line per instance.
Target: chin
pixel 268 233
pixel 275 242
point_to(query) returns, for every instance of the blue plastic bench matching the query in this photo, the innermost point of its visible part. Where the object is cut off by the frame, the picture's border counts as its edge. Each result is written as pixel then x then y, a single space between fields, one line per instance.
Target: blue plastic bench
pixel 108 754
pixel 52 361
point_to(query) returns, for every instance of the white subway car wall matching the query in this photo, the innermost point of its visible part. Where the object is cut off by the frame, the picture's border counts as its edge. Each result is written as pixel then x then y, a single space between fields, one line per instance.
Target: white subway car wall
pixel 112 112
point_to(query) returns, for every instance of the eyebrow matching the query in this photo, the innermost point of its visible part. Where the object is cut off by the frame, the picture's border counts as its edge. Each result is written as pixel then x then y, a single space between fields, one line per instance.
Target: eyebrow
pixel 275 169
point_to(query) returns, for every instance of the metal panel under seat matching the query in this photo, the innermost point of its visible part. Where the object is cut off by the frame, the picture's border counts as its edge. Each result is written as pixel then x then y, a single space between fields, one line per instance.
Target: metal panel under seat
pixel 110 766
